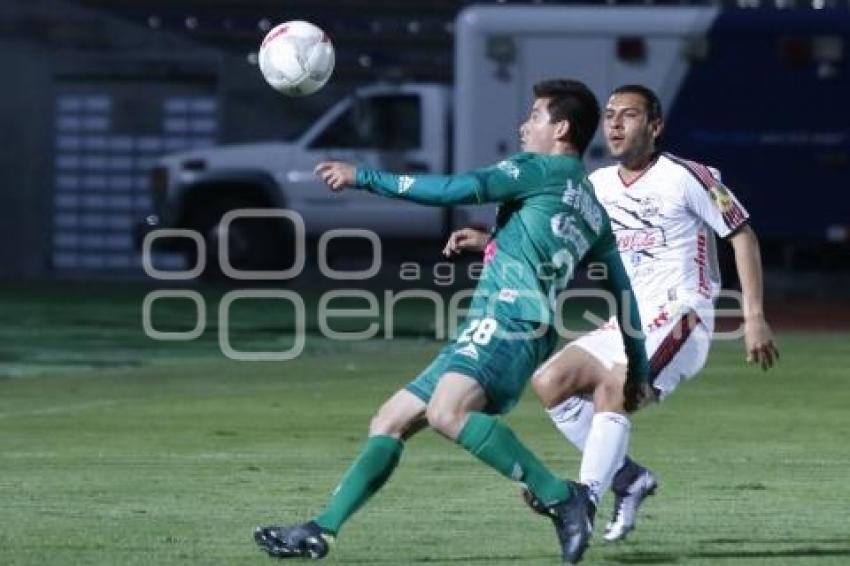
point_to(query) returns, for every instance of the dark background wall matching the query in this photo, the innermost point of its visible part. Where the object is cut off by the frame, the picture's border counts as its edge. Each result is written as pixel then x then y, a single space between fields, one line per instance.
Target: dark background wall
pixel 24 163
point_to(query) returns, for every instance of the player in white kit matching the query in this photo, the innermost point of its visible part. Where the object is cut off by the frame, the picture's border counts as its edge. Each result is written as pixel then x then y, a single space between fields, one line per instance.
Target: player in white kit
pixel 665 211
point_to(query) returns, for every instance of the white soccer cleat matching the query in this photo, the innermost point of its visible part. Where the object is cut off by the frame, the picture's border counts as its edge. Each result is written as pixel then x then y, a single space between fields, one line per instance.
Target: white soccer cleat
pixel 626 506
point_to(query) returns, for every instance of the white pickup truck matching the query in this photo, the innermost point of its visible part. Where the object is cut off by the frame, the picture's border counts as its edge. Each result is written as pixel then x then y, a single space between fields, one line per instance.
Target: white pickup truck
pixel 402 128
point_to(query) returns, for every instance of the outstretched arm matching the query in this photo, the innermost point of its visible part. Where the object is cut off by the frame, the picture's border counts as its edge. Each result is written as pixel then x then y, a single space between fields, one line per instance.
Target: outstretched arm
pixel 758 337
pixel 491 184
pixel 436 190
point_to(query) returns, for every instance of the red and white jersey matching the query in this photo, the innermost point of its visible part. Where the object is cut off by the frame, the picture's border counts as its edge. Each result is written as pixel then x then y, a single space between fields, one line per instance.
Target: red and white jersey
pixel 664 222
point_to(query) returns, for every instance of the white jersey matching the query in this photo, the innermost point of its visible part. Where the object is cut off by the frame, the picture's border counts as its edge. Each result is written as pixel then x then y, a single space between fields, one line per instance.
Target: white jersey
pixel 664 222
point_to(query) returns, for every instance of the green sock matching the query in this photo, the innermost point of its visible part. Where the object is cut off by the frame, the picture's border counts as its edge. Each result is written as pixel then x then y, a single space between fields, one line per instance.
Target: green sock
pixel 497 446
pixel 364 477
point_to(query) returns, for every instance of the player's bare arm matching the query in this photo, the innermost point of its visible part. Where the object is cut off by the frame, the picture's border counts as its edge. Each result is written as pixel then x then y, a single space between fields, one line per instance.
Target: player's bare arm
pixel 758 337
pixel 337 175
pixel 466 240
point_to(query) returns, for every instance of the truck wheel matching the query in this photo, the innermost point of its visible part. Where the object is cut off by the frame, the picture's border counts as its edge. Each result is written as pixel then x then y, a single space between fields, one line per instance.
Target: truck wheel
pixel 254 244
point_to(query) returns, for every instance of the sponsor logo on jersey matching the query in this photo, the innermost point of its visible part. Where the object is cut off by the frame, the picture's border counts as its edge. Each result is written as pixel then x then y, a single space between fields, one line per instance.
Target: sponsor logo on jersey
pixel 405 182
pixel 732 213
pixel 564 227
pixel 592 214
pixel 585 204
pixel 509 168
pixel 648 207
pixel 571 194
pixel 722 199
pixel 639 239
pixel 700 259
pixel 469 351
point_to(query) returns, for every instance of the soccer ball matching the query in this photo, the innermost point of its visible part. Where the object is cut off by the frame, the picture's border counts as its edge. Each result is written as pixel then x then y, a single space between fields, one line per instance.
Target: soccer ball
pixel 296 58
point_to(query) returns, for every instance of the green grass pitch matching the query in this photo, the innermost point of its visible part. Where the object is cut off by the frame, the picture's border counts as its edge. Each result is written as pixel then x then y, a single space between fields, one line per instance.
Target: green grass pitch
pixel 118 450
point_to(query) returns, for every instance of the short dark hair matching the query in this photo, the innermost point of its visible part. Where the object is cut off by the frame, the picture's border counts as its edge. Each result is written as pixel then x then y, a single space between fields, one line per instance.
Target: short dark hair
pixel 571 101
pixel 653 105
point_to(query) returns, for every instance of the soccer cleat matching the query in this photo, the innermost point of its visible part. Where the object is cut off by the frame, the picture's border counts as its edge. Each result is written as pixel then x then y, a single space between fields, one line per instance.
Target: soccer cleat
pixel 298 541
pixel 573 521
pixel 626 504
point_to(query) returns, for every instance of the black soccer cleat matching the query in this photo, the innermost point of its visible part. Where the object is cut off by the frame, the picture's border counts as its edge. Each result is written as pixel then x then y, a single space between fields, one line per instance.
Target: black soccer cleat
pixel 306 540
pixel 573 521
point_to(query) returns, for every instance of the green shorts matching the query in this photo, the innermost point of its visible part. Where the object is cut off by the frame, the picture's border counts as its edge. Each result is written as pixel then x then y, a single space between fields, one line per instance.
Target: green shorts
pixel 500 353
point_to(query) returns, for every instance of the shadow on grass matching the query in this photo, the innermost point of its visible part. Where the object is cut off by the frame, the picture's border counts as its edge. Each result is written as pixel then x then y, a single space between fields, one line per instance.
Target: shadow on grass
pixel 508 558
pixel 830 540
pixel 790 553
pixel 672 558
pixel 626 558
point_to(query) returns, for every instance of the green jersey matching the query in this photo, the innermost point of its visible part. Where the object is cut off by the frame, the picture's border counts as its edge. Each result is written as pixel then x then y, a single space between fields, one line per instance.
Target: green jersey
pixel 548 222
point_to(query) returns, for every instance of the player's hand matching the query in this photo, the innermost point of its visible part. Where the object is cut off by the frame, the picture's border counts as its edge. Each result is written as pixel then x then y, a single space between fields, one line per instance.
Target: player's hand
pixel 466 239
pixel 336 174
pixel 637 394
pixel 759 342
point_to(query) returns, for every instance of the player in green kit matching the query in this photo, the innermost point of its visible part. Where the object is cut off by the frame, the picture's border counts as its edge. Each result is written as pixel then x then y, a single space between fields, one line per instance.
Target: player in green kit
pixel 548 222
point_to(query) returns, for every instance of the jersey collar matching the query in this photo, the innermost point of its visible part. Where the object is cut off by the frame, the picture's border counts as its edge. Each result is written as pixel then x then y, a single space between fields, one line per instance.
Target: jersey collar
pixel 649 166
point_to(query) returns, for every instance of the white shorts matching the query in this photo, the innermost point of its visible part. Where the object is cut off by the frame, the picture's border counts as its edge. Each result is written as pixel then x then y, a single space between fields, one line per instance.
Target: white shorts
pixel 677 346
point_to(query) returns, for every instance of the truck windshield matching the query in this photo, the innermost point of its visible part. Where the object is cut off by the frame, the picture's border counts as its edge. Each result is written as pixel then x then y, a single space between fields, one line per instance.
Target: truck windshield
pixel 376 122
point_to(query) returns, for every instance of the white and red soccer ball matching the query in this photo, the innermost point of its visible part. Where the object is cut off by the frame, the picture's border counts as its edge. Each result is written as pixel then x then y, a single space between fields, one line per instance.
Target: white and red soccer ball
pixel 296 58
